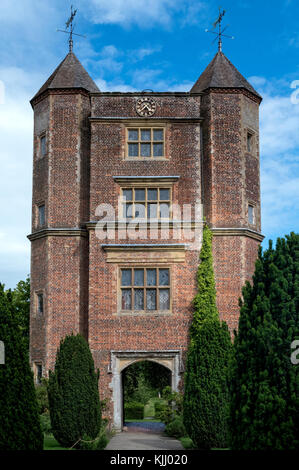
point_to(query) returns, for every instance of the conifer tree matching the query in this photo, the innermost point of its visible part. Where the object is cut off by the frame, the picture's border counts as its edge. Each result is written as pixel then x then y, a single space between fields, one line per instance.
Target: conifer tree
pixel 206 399
pixel 73 393
pixel 19 419
pixel 264 382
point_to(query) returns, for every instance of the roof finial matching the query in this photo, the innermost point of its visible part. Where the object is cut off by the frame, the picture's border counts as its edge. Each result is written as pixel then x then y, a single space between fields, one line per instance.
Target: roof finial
pixel 70 29
pixel 220 30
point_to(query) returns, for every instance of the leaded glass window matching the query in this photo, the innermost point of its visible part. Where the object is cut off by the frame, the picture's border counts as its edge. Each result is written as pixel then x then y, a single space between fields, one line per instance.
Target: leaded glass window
pixel 146 203
pixel 145 289
pixel 145 143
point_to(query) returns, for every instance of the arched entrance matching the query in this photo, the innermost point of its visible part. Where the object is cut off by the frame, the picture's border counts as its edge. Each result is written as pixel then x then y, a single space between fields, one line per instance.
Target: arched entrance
pixel 143 382
pixel 122 359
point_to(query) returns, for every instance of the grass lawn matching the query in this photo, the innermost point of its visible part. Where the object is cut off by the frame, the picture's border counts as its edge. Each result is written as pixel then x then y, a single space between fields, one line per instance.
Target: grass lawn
pixel 50 443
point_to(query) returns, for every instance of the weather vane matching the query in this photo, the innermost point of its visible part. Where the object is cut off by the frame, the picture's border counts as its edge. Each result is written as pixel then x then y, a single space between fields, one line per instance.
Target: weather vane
pixel 70 28
pixel 220 31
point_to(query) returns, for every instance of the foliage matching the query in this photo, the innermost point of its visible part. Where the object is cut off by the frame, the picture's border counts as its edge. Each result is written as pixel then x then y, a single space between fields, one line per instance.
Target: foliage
pixel 21 303
pixel 73 393
pixel 176 428
pixel 19 423
pixel 265 384
pixel 171 406
pixel 206 398
pixel 187 443
pixel 41 391
pixel 45 423
pixel 151 373
pixel 160 406
pixel 143 392
pixel 134 410
pixel 98 443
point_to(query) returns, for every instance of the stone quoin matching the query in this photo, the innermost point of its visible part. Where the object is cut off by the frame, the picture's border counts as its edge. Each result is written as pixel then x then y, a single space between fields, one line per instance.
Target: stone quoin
pixel 143 154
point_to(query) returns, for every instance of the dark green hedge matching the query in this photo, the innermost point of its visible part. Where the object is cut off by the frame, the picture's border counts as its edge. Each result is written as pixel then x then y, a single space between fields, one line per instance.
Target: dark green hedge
pixel 73 393
pixel 134 410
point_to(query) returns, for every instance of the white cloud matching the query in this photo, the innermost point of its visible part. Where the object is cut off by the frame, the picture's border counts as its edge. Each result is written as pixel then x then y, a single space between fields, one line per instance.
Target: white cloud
pixel 143 13
pixel 279 159
pixel 16 129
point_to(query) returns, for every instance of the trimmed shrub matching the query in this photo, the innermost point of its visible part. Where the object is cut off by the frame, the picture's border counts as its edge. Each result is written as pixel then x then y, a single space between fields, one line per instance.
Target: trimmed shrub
pixel 176 428
pixel 134 410
pixel 73 393
pixel 206 398
pixel 265 383
pixel 19 421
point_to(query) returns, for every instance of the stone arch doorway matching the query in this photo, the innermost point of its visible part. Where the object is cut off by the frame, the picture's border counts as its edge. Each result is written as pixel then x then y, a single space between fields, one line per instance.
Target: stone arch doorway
pixel 155 375
pixel 120 360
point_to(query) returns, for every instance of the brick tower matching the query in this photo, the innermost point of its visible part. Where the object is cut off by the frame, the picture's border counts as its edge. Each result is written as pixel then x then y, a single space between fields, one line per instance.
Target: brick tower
pixel 113 175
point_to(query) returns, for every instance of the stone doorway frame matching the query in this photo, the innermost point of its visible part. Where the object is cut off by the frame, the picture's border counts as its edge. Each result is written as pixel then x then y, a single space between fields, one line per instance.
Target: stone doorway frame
pixel 171 359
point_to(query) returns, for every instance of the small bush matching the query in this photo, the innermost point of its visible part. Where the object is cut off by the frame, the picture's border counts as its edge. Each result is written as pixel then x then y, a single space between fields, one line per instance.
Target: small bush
pixel 98 443
pixel 172 406
pixel 187 443
pixel 45 423
pixel 176 428
pixel 159 408
pixel 42 396
pixel 134 410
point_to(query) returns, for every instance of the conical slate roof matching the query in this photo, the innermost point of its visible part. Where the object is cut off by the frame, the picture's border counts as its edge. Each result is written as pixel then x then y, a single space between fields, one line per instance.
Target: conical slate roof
pixel 70 73
pixel 221 73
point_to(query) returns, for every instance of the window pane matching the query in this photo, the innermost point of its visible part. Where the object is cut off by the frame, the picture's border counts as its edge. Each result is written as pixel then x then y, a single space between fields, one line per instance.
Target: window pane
pixel 133 150
pixel 127 194
pixel 158 150
pixel 164 211
pixel 164 194
pixel 126 277
pixel 163 277
pixel 41 215
pixel 164 299
pixel 145 150
pixel 151 277
pixel 139 194
pixel 138 299
pixel 158 134
pixel 43 145
pixel 151 299
pixel 140 211
pixel 250 214
pixel 138 277
pixel 40 300
pixel 152 211
pixel 126 299
pixel 133 134
pixel 145 135
pixel 152 194
pixel 249 142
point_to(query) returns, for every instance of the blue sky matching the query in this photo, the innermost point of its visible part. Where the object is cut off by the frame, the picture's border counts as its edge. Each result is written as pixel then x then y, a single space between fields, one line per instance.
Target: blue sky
pixel 138 44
